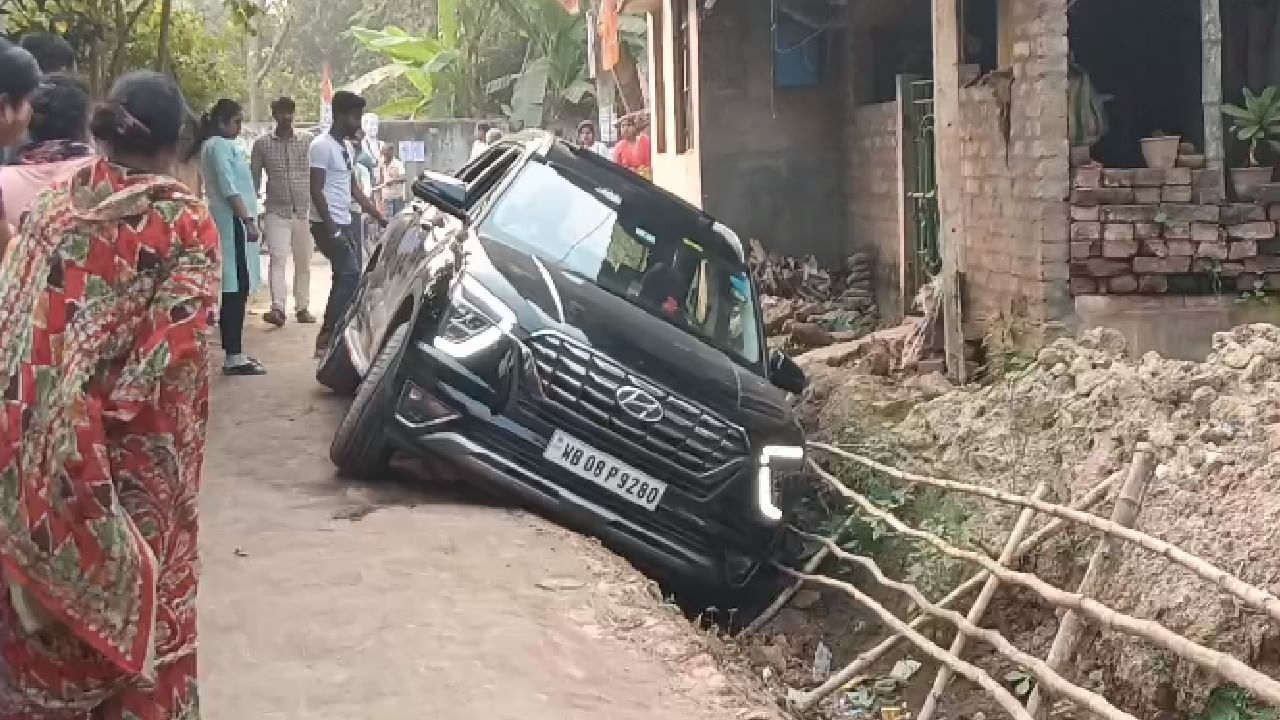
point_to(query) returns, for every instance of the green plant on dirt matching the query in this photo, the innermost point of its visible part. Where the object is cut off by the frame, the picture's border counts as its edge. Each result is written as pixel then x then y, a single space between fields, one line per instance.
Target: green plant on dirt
pixel 1230 702
pixel 1257 122
pixel 1022 683
pixel 1255 296
pixel 1002 347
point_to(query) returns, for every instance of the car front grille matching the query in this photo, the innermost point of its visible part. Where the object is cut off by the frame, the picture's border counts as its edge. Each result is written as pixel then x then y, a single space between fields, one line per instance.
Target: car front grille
pixel 583 383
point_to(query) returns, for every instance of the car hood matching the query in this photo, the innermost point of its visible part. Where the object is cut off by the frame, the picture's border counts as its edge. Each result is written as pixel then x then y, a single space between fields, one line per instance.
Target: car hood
pixel 543 297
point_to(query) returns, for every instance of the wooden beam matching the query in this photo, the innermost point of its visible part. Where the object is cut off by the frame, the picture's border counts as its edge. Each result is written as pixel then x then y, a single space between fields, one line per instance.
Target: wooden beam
pixel 946 109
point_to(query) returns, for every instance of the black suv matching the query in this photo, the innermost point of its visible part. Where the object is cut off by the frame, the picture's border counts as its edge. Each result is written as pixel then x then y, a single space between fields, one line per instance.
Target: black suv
pixel 566 330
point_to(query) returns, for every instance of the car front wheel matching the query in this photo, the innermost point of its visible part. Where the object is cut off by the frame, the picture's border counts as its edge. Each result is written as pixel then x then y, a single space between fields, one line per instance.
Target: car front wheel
pixel 360 448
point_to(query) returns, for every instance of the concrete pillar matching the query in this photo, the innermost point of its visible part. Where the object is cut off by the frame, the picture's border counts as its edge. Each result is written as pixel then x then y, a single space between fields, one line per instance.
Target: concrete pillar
pixel 1211 82
pixel 946 109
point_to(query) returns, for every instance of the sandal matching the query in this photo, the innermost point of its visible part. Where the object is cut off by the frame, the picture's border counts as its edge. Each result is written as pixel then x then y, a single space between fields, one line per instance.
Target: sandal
pixel 250 367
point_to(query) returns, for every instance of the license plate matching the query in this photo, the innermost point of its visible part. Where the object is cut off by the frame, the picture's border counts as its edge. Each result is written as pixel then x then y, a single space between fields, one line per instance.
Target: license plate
pixel 604 470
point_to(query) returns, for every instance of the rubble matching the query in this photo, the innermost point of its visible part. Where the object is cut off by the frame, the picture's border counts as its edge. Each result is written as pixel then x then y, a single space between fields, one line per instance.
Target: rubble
pixel 811 305
pixel 1074 417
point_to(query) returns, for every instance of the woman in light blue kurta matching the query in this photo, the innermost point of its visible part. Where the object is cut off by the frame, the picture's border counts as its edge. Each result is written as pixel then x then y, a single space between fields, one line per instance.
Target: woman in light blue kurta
pixel 233 202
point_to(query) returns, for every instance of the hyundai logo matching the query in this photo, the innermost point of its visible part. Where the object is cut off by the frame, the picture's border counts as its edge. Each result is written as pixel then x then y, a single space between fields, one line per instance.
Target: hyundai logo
pixel 639 404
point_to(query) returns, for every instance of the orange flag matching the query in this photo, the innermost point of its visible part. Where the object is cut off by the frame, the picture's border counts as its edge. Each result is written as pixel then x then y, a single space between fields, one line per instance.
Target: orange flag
pixel 571 6
pixel 609 46
pixel 326 98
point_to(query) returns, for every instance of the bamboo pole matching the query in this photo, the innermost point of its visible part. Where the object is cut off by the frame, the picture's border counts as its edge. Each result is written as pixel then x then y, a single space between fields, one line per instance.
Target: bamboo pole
pixel 860 664
pixel 1252 596
pixel 962 668
pixel 1091 701
pixel 785 596
pixel 979 607
pixel 1263 687
pixel 1125 513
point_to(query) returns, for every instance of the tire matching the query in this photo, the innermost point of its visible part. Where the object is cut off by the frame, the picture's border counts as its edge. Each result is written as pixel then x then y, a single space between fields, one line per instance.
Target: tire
pixel 335 370
pixel 360 448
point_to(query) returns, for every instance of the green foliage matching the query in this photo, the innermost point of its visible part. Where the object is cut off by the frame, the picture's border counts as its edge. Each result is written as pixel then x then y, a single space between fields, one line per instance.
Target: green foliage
pixel 207 65
pixel 1258 121
pixel 1022 683
pixel 1230 702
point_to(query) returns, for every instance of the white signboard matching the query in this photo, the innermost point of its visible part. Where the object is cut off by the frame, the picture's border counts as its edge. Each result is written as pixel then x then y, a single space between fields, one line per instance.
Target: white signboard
pixel 413 151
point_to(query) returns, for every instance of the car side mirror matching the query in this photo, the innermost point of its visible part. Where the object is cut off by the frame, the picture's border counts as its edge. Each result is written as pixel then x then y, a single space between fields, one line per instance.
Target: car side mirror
pixel 785 373
pixel 445 192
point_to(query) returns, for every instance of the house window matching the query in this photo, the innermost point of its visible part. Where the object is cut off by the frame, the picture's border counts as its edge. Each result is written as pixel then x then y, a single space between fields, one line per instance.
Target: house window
pixel 682 70
pixel 798 51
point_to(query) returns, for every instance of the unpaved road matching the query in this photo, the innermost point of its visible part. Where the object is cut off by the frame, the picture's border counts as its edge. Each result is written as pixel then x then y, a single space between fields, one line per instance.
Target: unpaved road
pixel 323 600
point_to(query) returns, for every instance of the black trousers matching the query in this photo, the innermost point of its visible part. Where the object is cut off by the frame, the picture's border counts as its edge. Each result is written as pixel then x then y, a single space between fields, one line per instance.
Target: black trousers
pixel 234 304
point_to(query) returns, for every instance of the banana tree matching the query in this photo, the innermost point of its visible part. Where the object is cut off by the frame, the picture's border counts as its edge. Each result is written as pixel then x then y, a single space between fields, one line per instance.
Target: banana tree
pixel 554 73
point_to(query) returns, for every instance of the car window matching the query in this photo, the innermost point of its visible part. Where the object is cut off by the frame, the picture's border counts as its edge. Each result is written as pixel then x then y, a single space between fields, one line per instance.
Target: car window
pixel 636 245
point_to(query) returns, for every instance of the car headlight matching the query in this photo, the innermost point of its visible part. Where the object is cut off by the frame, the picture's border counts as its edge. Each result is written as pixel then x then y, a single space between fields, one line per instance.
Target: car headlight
pixel 773 459
pixel 476 320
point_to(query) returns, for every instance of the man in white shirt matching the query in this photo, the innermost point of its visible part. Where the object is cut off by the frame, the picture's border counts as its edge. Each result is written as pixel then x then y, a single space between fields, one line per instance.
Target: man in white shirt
pixel 480 143
pixel 333 189
pixel 393 181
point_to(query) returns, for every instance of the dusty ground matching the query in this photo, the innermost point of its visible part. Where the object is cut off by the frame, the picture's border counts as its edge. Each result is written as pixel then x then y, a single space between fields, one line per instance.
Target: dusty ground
pixel 417 599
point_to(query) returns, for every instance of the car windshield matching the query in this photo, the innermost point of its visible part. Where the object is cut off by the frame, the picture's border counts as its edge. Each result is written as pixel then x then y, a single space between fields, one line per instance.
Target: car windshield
pixel 635 243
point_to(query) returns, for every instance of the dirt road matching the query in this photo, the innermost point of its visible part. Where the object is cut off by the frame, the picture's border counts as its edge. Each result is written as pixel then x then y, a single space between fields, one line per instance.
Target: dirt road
pixel 324 600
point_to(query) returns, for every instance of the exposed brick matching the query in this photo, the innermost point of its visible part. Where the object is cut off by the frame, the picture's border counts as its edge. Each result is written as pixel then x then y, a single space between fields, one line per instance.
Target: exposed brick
pixel 1252 231
pixel 1123 284
pixel 1230 269
pixel 1180 248
pixel 1086 231
pixel 1117 231
pixel 1176 193
pixel 1083 286
pixel 1237 213
pixel 1208 195
pixel 1119 249
pixel 1208 186
pixel 1273 212
pixel 1084 197
pixel 1217 249
pixel 1148 177
pixel 1085 250
pixel 1153 284
pixel 1097 267
pixel 1088 178
pixel 1262 264
pixel 1161 266
pixel 1085 213
pixel 1177 176
pixel 1177 230
pixel 1117 178
pixel 1205 232
pixel 1155 247
pixel 1182 212
pixel 1143 231
pixel 1147 195
pixel 1129 213
pixel 1241 249
pixel 1114 196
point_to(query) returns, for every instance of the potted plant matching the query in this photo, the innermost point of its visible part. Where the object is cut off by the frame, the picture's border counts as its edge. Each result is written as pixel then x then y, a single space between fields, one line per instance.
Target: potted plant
pixel 1257 122
pixel 1161 150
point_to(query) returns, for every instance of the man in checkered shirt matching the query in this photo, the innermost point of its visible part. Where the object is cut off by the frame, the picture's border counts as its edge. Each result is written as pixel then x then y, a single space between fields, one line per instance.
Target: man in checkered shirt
pixel 282 154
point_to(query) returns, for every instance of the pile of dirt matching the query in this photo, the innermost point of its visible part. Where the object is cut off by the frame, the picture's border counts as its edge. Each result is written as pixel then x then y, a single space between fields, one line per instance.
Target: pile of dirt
pixel 808 306
pixel 1073 418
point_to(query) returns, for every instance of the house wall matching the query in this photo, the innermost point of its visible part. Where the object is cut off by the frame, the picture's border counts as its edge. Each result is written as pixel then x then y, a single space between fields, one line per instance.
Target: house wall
pixel 875 199
pixel 1006 197
pixel 771 157
pixel 680 173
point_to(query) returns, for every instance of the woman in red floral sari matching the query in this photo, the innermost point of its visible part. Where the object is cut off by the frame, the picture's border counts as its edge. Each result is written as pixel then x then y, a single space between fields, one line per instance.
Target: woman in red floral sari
pixel 104 308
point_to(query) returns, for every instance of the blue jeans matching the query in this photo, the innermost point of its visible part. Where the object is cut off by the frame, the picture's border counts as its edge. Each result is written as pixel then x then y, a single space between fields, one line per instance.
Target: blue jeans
pixel 342 251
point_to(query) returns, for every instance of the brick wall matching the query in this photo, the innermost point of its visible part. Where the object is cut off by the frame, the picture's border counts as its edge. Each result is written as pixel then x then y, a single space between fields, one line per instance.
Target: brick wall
pixel 875 204
pixel 1012 193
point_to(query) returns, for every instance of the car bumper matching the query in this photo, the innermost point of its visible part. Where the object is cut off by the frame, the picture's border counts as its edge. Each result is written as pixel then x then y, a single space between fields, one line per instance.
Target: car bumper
pixel 681 539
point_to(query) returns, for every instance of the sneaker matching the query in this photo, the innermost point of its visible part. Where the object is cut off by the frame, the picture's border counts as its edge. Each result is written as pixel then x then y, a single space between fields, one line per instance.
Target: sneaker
pixel 322 342
pixel 276 317
pixel 251 367
pixel 306 318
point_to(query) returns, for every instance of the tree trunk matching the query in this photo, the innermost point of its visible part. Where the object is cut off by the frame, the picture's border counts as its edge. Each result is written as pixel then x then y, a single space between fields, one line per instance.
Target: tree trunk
pixel 166 21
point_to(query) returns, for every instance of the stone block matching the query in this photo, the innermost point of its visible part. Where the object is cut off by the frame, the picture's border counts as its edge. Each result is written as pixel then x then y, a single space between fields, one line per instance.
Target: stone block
pixel 1241 249
pixel 1114 195
pixel 1153 284
pixel 1185 212
pixel 1148 177
pixel 1177 230
pixel 1122 284
pixel 1143 231
pixel 1085 250
pixel 1176 193
pixel 1273 212
pixel 1086 231
pixel 1237 213
pixel 1208 195
pixel 1218 250
pixel 1087 178
pixel 1230 269
pixel 1155 247
pixel 1119 248
pixel 1262 264
pixel 1129 213
pixel 1161 266
pixel 1206 232
pixel 1180 248
pixel 1177 176
pixel 1252 231
pixel 1117 231
pixel 1084 197
pixel 1085 213
pixel 1147 195
pixel 1100 268
pixel 1117 178
pixel 1083 286
pixel 1208 186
